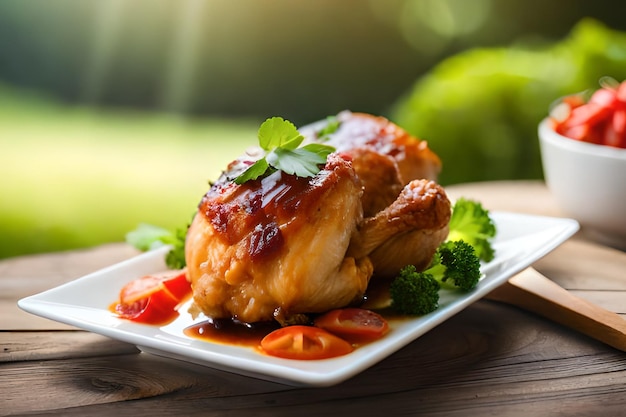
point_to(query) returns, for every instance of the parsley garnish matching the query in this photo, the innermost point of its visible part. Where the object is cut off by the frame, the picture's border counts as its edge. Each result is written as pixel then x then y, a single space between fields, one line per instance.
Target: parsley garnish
pixel 146 237
pixel 280 140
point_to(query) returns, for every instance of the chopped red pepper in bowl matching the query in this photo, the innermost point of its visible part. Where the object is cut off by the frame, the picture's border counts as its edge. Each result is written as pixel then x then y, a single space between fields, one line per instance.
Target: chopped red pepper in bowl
pixel 601 119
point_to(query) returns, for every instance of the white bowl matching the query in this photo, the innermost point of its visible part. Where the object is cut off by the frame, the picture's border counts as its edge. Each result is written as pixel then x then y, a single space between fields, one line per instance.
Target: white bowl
pixel 588 182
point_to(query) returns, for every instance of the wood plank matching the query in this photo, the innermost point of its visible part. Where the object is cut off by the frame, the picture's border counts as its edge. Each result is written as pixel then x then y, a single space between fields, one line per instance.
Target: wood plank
pixel 581 265
pixel 489 357
pixel 31 274
pixel 36 346
pixel 534 292
pixel 544 397
pixel 79 382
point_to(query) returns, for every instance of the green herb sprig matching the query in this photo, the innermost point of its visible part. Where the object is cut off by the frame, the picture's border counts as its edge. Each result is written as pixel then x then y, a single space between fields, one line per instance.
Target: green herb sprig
pixel 280 140
pixel 147 237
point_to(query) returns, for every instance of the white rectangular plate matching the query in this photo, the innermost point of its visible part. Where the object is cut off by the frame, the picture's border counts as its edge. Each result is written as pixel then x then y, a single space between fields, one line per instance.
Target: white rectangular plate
pixel 521 240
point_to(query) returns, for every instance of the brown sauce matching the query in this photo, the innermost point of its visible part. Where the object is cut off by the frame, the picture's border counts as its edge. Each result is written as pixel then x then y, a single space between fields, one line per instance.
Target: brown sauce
pixel 229 332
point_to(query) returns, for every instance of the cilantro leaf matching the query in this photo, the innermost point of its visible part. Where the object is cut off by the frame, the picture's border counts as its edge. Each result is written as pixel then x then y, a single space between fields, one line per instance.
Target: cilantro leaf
pixel 281 140
pixel 298 162
pixel 253 172
pixel 303 161
pixel 322 150
pixel 277 132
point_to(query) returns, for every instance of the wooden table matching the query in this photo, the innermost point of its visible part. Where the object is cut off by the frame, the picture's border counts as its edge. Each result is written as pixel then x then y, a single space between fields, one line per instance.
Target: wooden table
pixel 490 359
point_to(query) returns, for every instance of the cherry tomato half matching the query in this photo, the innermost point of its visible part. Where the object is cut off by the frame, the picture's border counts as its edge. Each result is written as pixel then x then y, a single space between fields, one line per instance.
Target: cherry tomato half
pixel 178 285
pixel 158 308
pixel 304 343
pixel 153 299
pixel 139 289
pixel 353 324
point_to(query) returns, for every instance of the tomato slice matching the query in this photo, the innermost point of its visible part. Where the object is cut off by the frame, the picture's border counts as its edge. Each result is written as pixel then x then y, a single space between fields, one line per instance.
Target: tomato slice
pixel 354 324
pixel 139 289
pixel 158 308
pixel 153 299
pixel 178 285
pixel 304 343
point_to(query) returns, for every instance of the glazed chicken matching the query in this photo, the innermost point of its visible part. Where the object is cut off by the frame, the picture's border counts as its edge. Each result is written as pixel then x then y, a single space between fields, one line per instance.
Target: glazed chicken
pixel 276 247
pixel 281 246
pixel 385 157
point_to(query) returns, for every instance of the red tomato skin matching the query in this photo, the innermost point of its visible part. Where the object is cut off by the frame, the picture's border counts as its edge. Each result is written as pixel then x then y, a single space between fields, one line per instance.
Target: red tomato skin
pixel 178 286
pixel 153 299
pixel 354 324
pixel 159 308
pixel 138 289
pixel 304 343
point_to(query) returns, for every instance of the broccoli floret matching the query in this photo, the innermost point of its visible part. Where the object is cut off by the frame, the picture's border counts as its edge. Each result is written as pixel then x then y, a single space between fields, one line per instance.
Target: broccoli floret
pixel 414 292
pixel 471 223
pixel 454 265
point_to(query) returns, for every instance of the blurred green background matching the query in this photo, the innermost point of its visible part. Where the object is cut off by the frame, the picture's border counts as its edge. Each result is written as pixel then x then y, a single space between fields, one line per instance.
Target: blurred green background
pixel 118 112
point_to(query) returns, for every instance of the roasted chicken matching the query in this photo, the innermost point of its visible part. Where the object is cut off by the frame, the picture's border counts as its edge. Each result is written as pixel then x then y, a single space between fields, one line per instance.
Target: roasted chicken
pixel 276 247
pixel 281 246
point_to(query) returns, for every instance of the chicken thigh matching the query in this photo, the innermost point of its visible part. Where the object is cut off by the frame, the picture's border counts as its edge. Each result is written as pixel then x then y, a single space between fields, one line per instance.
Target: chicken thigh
pixel 276 247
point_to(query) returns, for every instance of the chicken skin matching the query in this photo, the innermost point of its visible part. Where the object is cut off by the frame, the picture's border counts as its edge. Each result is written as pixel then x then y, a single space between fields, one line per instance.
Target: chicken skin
pixel 406 232
pixel 281 246
pixel 385 157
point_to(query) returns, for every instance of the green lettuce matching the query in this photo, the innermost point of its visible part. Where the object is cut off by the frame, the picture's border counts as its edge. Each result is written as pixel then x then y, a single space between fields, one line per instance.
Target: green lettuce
pixel 479 110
